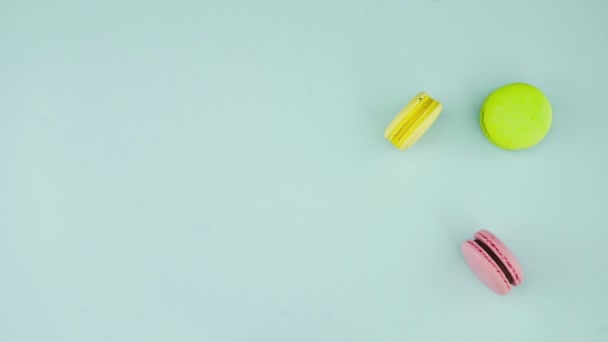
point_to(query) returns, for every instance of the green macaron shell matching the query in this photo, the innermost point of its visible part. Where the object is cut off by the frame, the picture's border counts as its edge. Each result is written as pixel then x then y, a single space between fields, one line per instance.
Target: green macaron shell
pixel 516 116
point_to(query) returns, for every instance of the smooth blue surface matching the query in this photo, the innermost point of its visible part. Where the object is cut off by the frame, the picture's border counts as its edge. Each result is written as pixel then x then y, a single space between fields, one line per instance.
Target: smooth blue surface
pixel 216 171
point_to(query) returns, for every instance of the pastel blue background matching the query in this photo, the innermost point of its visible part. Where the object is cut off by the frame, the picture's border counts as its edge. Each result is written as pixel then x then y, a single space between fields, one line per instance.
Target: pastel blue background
pixel 216 171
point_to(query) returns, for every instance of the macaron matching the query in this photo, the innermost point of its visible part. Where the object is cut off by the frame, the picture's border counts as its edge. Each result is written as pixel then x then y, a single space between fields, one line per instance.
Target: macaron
pixel 516 116
pixel 492 262
pixel 412 121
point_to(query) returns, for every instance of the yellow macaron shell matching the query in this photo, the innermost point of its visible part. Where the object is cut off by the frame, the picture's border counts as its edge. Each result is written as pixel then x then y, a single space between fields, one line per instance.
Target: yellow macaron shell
pixel 413 121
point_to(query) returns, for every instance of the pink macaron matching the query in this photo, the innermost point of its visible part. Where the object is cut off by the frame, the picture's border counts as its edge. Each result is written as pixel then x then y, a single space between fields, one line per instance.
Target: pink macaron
pixel 492 262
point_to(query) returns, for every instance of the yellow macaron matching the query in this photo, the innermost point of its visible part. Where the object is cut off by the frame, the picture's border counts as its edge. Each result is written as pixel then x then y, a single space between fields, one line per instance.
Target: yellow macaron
pixel 412 121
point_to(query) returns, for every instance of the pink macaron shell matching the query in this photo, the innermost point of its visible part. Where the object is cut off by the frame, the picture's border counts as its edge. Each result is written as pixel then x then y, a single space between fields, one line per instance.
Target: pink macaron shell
pixel 503 253
pixel 484 268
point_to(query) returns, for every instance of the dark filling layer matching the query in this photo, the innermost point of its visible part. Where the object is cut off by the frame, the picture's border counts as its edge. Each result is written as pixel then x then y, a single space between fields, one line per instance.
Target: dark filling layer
pixel 498 262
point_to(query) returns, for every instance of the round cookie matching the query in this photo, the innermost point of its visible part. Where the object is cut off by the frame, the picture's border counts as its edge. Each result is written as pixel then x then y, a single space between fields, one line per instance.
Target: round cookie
pixel 516 116
pixel 492 262
pixel 413 121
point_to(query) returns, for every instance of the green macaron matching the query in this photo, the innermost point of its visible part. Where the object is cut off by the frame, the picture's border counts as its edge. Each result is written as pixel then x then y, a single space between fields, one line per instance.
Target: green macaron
pixel 516 116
